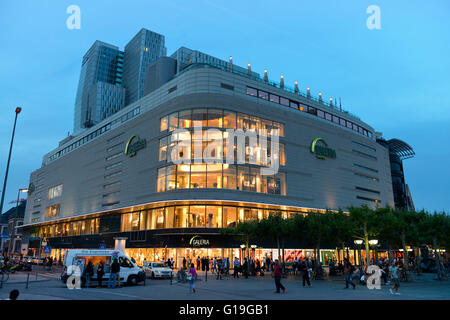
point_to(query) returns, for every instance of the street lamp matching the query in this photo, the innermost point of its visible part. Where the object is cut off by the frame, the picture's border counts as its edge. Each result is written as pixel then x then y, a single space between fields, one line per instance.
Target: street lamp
pixel 358 243
pixel 374 243
pixel 17 210
pixel 18 109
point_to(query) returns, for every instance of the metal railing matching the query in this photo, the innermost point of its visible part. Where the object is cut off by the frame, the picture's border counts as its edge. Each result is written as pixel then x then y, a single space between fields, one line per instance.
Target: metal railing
pixel 275 84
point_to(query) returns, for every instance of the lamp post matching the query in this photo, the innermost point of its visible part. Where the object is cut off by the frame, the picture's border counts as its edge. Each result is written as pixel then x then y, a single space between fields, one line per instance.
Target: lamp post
pixel 18 109
pixel 374 243
pixel 245 247
pixel 14 232
pixel 358 243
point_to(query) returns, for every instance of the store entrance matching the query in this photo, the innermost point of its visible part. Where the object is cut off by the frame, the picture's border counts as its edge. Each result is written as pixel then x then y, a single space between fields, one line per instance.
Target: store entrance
pixel 191 254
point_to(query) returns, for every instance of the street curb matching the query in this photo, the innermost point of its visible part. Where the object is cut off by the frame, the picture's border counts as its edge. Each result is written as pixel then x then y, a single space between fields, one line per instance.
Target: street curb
pixel 21 282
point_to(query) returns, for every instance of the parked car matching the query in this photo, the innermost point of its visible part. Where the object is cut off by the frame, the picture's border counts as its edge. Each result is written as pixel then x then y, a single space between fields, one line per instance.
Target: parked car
pixel 157 270
pixel 36 260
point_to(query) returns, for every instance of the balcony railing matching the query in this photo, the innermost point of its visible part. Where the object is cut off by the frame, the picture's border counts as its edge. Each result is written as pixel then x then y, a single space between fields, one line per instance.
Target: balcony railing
pixel 275 84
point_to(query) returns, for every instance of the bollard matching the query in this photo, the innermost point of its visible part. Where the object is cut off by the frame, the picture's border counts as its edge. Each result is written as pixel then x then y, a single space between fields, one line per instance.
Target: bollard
pixel 28 279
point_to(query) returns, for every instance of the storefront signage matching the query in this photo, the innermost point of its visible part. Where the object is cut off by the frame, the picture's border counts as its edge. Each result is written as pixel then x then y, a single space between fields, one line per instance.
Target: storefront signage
pixel 197 241
pixel 134 144
pixel 320 148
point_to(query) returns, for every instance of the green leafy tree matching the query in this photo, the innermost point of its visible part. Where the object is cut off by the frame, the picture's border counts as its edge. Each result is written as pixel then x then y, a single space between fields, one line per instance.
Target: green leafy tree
pixel 245 231
pixel 276 228
pixel 318 230
pixel 366 226
pixel 436 228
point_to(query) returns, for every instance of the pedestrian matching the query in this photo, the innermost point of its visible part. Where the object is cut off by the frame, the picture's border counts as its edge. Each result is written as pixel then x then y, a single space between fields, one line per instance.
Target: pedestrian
pixel 245 268
pixel 258 266
pixel 214 265
pixel 305 274
pixel 219 269
pixel 100 273
pixel 115 268
pixel 348 272
pixel 14 294
pixel 267 264
pixel 395 278
pixel 184 262
pixel 144 262
pixel 198 262
pixel 50 263
pixel 193 276
pixel 236 268
pixel 88 273
pixel 295 265
pixel 277 275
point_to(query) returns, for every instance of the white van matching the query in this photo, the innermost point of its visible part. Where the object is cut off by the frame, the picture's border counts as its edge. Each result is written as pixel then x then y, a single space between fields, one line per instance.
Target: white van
pixel 129 271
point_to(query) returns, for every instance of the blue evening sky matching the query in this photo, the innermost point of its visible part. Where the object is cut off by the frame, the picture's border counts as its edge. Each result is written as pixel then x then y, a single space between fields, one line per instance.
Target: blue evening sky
pixel 397 79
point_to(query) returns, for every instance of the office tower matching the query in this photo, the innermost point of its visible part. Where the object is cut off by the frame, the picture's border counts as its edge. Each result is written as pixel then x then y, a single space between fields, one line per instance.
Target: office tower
pixel 143 50
pixel 100 92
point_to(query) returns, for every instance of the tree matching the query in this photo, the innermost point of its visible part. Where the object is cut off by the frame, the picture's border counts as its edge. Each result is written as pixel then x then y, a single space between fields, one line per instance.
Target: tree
pixel 366 226
pixel 341 229
pixel 245 231
pixel 436 228
pixel 318 230
pixel 276 228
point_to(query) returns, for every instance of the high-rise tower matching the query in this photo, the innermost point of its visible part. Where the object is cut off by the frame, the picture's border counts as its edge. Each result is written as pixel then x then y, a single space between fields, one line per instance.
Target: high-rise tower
pixel 143 50
pixel 100 92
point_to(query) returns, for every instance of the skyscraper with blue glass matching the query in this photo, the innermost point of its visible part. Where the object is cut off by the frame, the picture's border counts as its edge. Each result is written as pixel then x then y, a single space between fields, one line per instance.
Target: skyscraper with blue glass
pixel 143 50
pixel 110 79
pixel 100 92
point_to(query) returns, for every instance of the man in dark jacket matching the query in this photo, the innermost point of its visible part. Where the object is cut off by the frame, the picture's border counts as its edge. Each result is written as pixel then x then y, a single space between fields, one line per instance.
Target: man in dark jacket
pixel 277 273
pixel 115 269
pixel 305 273
pixel 88 273
pixel 100 273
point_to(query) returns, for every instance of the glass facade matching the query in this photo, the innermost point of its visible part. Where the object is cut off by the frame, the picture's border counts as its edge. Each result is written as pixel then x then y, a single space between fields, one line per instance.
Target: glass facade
pixel 167 217
pixel 226 176
pixel 217 118
pixel 74 228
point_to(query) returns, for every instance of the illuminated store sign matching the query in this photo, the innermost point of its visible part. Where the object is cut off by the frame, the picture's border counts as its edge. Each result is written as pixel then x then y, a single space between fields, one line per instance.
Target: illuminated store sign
pixel 197 241
pixel 320 148
pixel 134 144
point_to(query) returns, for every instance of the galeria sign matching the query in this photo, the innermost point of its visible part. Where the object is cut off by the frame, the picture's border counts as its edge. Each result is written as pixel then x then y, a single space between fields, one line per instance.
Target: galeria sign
pixel 320 148
pixel 134 144
pixel 197 241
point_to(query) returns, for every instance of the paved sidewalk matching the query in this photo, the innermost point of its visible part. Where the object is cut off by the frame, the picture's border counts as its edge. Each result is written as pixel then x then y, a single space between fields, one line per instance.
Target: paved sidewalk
pixel 235 289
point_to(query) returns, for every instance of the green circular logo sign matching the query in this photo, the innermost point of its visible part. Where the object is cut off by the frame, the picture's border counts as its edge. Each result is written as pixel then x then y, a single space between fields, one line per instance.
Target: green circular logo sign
pixel 134 144
pixel 320 148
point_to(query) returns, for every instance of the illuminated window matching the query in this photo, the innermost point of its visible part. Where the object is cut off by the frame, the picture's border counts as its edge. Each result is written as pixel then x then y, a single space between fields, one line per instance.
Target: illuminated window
pixel 52 211
pixel 55 192
pixel 163 125
pixel 229 217
pixel 213 216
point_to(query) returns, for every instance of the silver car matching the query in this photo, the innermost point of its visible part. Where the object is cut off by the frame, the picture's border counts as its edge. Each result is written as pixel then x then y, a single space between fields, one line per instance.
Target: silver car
pixel 157 270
